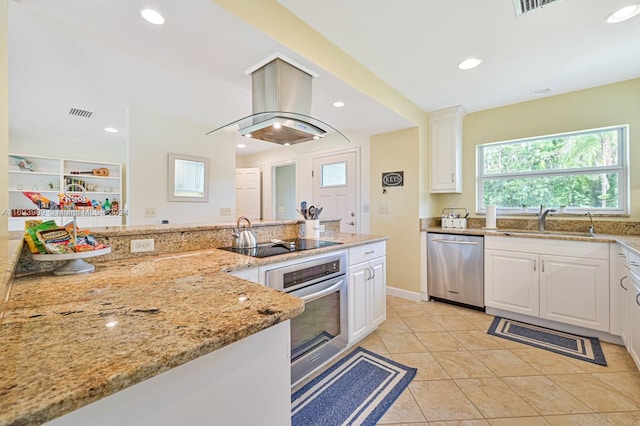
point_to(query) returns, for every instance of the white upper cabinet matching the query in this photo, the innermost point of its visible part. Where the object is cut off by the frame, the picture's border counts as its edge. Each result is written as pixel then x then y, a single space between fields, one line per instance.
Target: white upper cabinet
pixel 446 149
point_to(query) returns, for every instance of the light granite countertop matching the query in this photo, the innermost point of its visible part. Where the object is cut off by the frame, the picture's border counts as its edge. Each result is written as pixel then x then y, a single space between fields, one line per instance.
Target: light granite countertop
pixel 631 241
pixel 67 341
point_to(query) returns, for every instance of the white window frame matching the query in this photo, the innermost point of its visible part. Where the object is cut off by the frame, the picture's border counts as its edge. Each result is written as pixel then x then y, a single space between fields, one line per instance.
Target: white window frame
pixel 622 168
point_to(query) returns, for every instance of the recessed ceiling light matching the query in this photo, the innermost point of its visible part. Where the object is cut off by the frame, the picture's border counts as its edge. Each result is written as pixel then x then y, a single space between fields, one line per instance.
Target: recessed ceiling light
pixel 623 14
pixel 110 130
pixel 277 125
pixel 152 16
pixel 338 104
pixel 286 144
pixel 541 91
pixel 248 135
pixel 469 63
pixel 316 137
pixel 241 145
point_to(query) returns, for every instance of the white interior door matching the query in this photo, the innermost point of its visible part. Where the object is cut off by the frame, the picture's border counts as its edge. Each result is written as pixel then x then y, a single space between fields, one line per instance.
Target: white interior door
pixel 248 193
pixel 335 189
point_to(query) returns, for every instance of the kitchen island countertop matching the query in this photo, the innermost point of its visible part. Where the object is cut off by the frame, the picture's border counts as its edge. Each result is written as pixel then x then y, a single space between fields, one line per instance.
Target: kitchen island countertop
pixel 67 341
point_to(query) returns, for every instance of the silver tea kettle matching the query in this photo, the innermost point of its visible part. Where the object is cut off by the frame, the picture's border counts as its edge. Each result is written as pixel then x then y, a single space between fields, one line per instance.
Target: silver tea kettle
pixel 244 238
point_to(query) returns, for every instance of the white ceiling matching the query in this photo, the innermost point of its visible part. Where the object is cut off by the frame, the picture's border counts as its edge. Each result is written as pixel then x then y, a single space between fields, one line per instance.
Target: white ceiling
pixel 101 56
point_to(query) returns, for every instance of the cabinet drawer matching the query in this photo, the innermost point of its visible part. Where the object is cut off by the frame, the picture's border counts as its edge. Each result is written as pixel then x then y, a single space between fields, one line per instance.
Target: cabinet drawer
pixel 366 252
pixel 622 253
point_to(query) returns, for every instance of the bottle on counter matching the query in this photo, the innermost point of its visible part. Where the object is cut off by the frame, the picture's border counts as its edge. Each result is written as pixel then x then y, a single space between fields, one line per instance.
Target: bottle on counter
pixel 115 206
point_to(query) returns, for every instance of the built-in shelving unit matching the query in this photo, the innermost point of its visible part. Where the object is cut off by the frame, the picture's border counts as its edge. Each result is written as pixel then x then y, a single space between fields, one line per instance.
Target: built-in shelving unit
pixel 44 179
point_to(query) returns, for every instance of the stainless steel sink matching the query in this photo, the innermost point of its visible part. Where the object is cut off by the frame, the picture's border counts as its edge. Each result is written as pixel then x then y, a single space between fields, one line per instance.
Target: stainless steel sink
pixel 534 232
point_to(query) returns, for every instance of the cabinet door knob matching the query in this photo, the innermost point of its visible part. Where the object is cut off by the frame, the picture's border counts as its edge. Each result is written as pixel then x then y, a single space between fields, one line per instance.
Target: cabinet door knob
pixel 534 264
pixel 373 273
pixel 638 299
pixel 453 177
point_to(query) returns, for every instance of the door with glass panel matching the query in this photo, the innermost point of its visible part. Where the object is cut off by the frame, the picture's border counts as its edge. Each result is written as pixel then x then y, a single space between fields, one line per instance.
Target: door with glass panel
pixel 334 188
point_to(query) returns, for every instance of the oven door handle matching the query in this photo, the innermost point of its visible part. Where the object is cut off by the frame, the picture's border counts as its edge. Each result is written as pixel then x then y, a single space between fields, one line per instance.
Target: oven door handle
pixel 318 295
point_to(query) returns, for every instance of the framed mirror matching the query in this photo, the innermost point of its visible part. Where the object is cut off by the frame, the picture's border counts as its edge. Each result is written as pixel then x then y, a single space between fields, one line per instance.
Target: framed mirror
pixel 187 178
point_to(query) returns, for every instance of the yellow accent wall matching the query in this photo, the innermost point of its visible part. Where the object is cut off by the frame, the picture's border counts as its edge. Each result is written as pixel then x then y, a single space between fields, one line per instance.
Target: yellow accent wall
pixel 4 117
pixel 393 152
pixel 601 106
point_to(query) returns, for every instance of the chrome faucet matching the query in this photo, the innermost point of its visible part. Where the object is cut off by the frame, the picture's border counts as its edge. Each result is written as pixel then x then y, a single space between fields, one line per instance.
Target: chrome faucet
pixel 592 230
pixel 542 215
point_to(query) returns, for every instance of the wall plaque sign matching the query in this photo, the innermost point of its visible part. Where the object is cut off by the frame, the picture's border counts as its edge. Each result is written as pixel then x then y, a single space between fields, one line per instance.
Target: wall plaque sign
pixel 393 179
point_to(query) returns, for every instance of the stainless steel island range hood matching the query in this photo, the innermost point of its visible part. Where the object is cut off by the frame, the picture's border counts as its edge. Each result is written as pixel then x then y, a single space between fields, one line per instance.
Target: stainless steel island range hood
pixel 281 105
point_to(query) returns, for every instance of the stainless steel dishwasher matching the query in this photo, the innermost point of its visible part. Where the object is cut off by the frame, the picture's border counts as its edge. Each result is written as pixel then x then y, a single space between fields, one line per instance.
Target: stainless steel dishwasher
pixel 455 268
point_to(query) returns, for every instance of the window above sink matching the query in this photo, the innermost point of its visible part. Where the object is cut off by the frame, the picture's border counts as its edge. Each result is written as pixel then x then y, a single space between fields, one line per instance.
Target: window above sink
pixel 577 172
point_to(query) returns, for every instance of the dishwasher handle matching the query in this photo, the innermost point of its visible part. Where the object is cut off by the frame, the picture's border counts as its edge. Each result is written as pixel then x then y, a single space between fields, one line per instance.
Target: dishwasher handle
pixel 469 243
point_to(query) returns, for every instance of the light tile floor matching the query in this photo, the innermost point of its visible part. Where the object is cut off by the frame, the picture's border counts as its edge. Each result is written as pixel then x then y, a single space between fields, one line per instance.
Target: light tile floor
pixel 466 377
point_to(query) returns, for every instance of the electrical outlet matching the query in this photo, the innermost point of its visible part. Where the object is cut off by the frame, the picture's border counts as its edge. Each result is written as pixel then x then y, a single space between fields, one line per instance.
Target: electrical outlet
pixel 149 212
pixel 280 209
pixel 365 208
pixel 139 246
pixel 383 208
pixel 225 211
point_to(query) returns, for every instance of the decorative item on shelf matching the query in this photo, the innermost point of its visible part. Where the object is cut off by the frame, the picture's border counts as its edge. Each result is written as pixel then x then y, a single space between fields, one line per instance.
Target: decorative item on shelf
pixel 22 163
pixel 55 185
pixel 115 207
pixel 102 171
pixel 41 201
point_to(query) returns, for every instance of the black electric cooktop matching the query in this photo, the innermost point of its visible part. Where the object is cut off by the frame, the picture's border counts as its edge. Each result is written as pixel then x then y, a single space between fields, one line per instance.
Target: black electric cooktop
pixel 273 249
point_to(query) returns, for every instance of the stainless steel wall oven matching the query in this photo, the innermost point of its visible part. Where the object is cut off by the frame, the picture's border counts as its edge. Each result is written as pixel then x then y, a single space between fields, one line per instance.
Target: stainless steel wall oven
pixel 320 332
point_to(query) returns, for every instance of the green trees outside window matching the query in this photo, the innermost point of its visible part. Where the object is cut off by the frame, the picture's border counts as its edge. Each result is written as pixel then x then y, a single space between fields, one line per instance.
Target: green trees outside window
pixel 583 170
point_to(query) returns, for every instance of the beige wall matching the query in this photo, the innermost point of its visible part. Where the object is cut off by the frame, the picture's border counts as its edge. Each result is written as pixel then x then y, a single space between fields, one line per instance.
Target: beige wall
pixel 601 106
pixel 151 138
pixel 4 117
pixel 392 152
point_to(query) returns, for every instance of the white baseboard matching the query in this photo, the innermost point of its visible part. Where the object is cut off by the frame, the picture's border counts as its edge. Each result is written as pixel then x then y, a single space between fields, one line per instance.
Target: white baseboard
pixel 405 294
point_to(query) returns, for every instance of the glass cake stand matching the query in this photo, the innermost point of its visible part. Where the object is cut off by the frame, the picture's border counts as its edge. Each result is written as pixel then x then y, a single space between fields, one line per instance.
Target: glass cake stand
pixel 75 261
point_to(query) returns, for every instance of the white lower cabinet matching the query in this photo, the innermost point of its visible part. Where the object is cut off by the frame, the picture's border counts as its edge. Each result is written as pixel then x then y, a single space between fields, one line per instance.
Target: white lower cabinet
pixel 575 291
pixel 245 383
pixel 367 289
pixel 535 278
pixel 633 306
pixel 511 281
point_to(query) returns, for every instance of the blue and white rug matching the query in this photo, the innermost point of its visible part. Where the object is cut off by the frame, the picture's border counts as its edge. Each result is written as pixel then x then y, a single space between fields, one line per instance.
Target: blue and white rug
pixel 579 347
pixel 357 390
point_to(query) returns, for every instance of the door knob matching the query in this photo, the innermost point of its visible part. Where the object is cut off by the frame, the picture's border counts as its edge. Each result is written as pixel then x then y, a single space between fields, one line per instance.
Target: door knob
pixel 352 223
pixel 353 214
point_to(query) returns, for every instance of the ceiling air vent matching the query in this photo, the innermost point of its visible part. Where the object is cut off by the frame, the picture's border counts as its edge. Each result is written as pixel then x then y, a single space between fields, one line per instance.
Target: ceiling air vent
pixel 526 6
pixel 80 113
